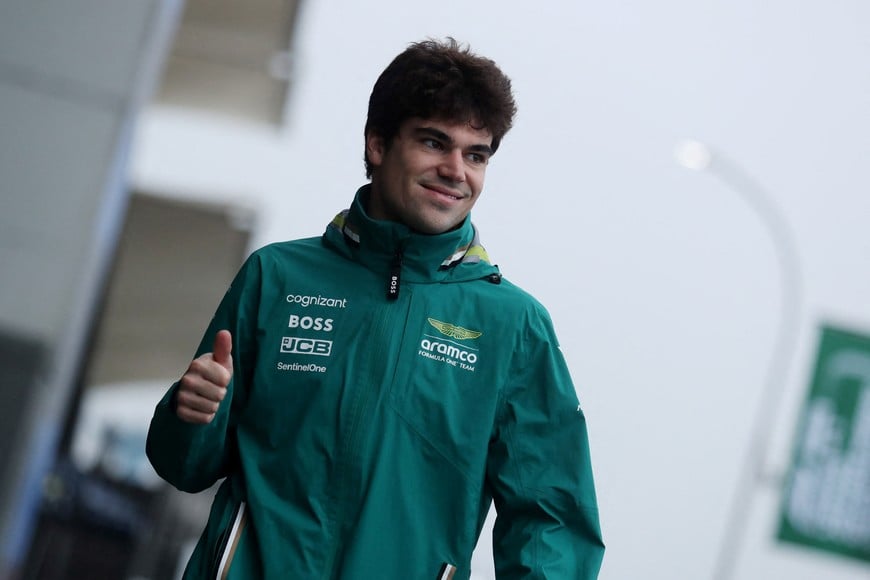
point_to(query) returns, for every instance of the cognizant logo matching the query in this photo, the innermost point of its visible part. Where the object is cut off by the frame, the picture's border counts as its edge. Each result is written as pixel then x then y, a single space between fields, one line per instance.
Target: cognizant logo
pixel 305 301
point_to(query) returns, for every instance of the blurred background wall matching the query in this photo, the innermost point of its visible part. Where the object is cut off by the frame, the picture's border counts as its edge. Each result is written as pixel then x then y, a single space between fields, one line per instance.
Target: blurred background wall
pixel 685 188
pixel 73 78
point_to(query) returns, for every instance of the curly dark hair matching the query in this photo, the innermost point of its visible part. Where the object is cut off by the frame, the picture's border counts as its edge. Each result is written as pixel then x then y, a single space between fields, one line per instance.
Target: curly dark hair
pixel 440 80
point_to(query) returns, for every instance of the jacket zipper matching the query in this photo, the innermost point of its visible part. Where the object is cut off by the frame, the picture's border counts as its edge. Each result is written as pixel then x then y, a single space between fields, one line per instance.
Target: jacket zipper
pixel 359 412
pixel 348 458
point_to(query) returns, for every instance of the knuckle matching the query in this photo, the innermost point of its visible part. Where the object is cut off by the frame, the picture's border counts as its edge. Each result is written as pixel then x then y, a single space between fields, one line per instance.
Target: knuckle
pixel 187 383
pixel 182 400
pixel 200 365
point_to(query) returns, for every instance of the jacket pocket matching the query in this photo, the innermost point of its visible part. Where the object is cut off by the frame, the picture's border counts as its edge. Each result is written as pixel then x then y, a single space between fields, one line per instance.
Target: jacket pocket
pixel 229 542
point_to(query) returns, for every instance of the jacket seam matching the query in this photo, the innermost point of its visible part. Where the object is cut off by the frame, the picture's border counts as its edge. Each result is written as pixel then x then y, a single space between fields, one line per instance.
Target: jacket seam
pixel 510 440
pixel 431 444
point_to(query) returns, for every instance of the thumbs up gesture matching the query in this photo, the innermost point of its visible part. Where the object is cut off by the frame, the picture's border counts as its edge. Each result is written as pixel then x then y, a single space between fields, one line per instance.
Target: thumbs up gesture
pixel 204 385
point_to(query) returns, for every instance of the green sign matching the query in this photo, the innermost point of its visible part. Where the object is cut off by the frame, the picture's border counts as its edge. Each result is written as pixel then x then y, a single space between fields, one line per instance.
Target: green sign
pixel 826 503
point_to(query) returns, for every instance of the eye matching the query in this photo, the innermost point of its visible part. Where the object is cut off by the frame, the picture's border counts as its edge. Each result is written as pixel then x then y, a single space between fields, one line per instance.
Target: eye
pixel 432 143
pixel 476 158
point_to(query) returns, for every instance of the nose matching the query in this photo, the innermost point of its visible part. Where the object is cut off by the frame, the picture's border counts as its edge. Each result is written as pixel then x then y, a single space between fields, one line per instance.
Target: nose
pixel 452 166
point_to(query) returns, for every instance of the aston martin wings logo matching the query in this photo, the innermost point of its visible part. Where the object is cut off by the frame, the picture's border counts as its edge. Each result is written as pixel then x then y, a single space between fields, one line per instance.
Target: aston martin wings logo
pixel 456 332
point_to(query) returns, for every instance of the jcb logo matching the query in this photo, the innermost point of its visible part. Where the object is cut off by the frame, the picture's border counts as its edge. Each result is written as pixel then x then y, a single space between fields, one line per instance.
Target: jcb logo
pixel 314 346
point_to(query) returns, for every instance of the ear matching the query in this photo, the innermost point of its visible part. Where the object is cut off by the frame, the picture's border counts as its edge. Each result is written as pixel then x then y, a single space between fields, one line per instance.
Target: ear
pixel 375 149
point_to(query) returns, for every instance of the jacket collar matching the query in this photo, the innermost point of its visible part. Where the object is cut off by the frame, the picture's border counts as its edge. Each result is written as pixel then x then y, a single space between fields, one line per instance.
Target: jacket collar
pixel 454 255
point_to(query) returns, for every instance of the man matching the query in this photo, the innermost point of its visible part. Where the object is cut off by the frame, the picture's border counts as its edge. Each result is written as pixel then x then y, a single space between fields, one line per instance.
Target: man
pixel 367 394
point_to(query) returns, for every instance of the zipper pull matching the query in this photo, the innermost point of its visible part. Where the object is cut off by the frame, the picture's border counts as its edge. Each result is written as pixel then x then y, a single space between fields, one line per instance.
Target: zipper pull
pixel 395 276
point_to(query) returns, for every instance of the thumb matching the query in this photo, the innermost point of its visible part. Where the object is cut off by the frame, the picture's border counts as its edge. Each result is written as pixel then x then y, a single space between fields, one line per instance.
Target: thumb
pixel 223 345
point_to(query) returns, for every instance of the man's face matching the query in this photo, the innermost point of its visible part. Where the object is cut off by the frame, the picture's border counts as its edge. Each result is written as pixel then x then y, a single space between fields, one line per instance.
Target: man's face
pixel 431 174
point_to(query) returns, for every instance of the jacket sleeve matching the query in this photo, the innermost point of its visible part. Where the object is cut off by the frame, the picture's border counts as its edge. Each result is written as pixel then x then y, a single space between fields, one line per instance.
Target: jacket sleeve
pixel 539 470
pixel 192 457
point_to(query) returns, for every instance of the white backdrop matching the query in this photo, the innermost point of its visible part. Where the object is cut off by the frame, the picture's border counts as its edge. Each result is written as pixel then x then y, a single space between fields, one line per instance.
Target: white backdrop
pixel 666 285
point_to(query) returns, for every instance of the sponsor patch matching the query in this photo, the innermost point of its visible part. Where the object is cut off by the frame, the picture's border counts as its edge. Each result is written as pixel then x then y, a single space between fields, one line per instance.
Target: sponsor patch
pixel 310 323
pixel 302 368
pixel 453 331
pixel 448 352
pixel 308 346
pixel 305 301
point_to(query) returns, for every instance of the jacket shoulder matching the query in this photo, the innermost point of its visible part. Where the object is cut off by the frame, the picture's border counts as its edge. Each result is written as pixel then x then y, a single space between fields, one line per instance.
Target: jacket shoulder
pixel 516 298
pixel 287 252
pixel 279 249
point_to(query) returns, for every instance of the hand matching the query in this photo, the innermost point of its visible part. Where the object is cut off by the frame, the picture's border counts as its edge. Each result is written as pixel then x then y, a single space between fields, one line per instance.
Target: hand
pixel 204 385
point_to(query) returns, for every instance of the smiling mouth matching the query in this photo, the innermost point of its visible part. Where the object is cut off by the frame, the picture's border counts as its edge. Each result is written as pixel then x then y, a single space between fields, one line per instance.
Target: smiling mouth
pixel 445 193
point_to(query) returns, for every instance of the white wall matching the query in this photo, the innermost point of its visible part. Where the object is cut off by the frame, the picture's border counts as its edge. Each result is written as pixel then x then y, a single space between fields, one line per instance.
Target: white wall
pixel 666 285
pixel 72 75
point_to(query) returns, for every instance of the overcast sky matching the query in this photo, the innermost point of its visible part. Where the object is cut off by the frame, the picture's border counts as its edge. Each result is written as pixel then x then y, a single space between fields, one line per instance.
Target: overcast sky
pixel 670 288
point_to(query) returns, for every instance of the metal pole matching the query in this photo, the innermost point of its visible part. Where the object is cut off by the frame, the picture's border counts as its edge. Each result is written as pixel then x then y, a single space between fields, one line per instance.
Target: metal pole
pixel 696 155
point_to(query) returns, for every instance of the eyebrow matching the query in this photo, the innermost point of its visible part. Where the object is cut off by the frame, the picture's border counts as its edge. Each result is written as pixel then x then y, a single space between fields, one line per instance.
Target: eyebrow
pixel 447 139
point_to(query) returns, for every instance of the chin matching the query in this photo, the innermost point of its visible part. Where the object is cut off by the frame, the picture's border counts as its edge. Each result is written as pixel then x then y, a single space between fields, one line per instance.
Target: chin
pixel 435 224
pixel 434 229
pixel 429 228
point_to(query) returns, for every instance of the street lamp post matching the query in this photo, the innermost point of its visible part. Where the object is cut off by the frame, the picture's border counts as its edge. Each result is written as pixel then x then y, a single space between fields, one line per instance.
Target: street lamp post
pixel 697 156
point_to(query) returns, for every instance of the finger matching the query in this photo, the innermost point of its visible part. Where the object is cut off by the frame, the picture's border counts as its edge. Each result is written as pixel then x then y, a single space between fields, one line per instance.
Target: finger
pixel 195 402
pixel 202 386
pixel 190 416
pixel 205 369
pixel 223 346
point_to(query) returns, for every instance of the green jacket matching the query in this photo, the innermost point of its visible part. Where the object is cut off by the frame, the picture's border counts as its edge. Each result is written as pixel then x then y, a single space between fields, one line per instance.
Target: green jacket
pixel 365 436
